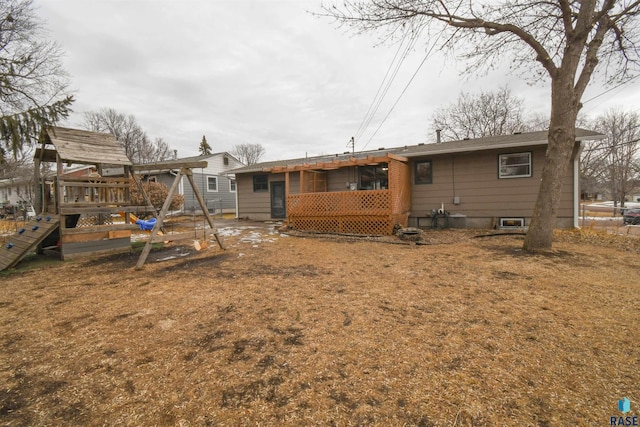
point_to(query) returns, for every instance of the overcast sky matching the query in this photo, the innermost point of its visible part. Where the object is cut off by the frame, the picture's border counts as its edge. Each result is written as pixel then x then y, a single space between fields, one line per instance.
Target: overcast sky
pixel 260 71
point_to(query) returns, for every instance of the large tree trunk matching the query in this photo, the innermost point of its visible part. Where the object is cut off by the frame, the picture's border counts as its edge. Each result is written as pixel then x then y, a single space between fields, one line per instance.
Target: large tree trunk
pixel 562 131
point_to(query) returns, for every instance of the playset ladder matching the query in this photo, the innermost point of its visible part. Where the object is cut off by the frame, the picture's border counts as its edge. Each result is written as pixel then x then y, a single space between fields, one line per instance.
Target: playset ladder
pixel 26 239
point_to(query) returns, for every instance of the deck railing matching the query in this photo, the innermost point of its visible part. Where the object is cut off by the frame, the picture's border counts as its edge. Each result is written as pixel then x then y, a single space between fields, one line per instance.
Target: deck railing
pixel 339 203
pixel 95 198
pixel 357 212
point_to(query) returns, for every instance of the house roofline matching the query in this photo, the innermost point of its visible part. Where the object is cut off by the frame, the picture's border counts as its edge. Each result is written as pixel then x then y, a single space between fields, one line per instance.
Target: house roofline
pixel 411 151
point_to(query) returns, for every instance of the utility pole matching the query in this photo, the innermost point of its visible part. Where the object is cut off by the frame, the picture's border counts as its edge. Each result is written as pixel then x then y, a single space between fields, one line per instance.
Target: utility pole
pixel 352 143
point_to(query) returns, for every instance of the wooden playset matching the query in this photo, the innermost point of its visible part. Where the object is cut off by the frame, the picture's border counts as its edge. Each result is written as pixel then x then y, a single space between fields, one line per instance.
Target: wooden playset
pixel 82 214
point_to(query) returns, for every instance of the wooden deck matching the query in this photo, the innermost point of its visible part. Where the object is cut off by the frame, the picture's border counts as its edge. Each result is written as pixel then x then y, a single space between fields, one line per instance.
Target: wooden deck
pixel 352 212
pixel 365 212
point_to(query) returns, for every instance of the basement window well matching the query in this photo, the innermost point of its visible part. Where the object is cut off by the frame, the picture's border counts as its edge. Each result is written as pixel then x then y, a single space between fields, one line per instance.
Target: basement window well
pixel 511 222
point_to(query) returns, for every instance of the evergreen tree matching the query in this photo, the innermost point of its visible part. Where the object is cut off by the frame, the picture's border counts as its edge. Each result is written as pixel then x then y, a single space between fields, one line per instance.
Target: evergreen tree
pixel 22 129
pixel 204 148
pixel 33 84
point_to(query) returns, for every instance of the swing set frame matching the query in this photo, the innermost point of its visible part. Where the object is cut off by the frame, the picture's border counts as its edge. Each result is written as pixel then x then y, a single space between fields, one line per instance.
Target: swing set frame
pixel 184 169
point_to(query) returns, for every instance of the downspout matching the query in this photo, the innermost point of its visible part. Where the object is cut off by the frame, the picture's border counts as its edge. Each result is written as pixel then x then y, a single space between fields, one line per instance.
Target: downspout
pixel 576 186
pixel 235 178
pixel 237 211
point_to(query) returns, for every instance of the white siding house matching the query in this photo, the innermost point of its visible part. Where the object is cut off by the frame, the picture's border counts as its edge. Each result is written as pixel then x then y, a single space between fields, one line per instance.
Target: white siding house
pixel 216 186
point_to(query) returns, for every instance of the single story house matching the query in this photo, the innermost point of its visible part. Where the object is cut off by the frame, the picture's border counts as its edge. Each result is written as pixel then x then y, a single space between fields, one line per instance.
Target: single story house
pixel 215 184
pixel 477 183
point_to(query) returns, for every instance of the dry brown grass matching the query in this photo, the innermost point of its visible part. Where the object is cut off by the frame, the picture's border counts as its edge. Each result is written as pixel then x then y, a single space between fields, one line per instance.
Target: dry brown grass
pixel 315 331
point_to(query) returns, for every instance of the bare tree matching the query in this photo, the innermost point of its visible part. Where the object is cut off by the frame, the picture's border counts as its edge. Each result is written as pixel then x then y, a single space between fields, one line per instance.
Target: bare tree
pixel 479 115
pixel 615 161
pixel 566 39
pixel 33 84
pixel 151 151
pixel 249 154
pixel 133 139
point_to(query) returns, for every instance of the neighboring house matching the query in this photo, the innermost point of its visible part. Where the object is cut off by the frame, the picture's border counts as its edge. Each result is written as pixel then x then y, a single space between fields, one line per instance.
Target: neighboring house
pixel 16 197
pixel 216 186
pixel 479 183
pixel 11 191
pixel 20 191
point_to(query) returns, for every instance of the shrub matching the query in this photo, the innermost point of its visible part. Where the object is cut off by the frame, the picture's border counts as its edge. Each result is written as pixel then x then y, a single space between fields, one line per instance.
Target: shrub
pixel 157 192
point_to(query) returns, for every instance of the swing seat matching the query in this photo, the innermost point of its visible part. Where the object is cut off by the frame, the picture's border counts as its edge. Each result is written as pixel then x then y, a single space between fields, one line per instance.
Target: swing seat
pixel 146 225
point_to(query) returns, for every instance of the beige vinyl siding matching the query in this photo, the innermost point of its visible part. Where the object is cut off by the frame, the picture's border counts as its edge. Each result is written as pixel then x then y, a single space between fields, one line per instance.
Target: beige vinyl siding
pixel 257 205
pixel 473 177
pixel 294 182
pixel 250 204
pixel 337 179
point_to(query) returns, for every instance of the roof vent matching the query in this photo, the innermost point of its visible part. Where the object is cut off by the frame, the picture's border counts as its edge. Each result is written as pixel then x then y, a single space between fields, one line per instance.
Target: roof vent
pixel 422 143
pixel 381 148
pixel 517 133
pixel 466 138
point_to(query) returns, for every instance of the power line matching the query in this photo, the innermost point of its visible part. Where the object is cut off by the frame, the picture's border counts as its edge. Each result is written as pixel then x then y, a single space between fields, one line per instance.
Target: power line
pixel 364 119
pixel 377 101
pixel 396 103
pixel 405 88
pixel 609 147
pixel 604 92
pixel 612 89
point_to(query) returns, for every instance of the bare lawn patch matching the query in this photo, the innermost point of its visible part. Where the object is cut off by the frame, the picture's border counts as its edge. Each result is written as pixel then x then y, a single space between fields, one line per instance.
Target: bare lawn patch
pixel 300 330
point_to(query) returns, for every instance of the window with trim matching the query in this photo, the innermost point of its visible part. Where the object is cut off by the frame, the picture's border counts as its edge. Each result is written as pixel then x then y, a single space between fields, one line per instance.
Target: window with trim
pixel 260 183
pixel 212 183
pixel 232 185
pixel 423 172
pixel 225 160
pixel 514 165
pixel 373 177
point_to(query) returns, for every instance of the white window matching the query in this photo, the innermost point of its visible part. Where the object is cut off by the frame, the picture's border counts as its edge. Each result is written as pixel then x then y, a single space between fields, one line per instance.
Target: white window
pixel 212 183
pixel 514 165
pixel 232 185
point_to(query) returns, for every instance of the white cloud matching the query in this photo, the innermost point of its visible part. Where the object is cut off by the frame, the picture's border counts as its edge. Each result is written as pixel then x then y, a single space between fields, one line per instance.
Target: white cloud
pixel 258 71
